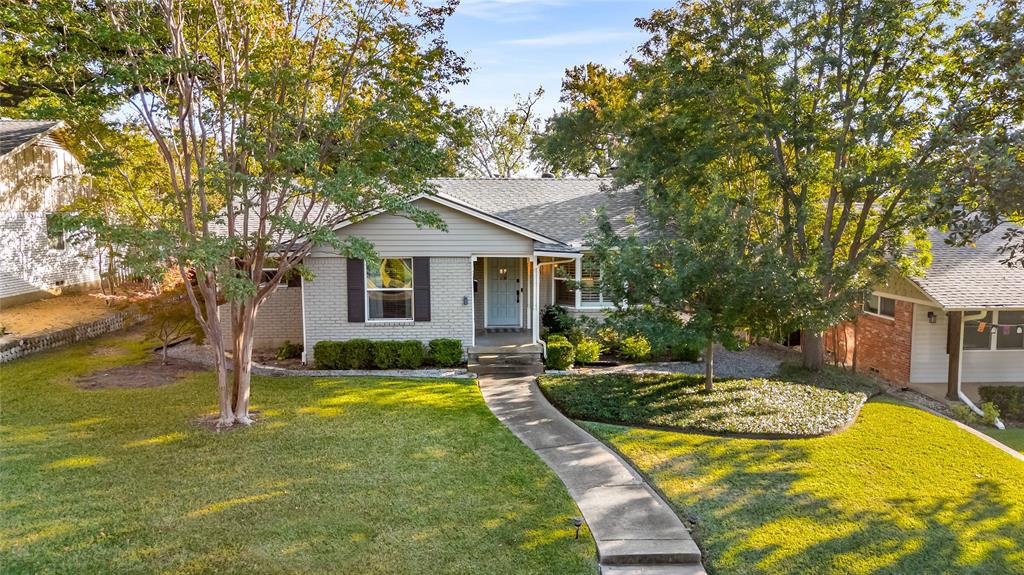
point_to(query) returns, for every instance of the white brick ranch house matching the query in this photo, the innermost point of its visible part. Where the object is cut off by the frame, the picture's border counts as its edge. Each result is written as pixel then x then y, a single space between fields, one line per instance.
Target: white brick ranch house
pixel 487 277
pixel 38 175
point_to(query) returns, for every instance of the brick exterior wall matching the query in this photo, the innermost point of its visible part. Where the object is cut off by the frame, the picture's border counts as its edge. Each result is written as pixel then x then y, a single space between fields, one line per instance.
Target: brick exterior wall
pixel 279 319
pixel 881 344
pixel 327 305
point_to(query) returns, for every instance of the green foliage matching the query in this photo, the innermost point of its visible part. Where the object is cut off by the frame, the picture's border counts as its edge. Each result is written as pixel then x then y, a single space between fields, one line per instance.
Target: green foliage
pixel 588 350
pixel 328 354
pixel 610 339
pixel 989 413
pixel 446 352
pixel 557 319
pixel 560 353
pixel 1008 398
pixel 500 139
pixel 289 350
pixel 963 413
pixel 403 354
pixel 635 348
pixel 350 354
pixel 797 403
pixel 683 352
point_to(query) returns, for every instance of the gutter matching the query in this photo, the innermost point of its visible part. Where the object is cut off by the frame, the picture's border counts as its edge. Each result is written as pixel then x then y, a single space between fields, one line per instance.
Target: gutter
pixel 543 344
pixel 960 368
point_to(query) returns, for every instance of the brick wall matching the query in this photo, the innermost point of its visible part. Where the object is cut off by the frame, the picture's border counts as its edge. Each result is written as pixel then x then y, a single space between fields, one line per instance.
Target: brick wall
pixel 881 344
pixel 279 319
pixel 327 305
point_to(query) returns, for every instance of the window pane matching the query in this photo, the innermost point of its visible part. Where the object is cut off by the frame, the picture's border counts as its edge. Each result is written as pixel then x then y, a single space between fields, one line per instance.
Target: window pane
pixel 871 303
pixel 887 306
pixel 395 273
pixel 590 280
pixel 564 295
pixel 973 339
pixel 390 304
pixel 1007 336
pixel 54 234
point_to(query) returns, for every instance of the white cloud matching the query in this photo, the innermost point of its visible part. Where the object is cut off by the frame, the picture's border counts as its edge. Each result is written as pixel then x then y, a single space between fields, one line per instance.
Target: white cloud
pixel 578 38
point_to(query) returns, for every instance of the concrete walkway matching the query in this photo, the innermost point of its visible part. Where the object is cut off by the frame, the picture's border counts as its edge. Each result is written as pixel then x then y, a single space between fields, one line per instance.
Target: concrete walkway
pixel 635 529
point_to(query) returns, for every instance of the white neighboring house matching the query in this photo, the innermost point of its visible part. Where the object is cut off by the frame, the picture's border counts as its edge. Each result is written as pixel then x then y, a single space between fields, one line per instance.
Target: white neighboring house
pixel 38 174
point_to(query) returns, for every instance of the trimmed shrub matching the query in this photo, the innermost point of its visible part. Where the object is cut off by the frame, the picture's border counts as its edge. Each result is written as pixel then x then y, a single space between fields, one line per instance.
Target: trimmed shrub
pixel 327 354
pixel 556 337
pixel 557 319
pixel 410 354
pixel 1007 398
pixel 446 352
pixel 357 354
pixel 609 338
pixel 989 413
pixel 561 354
pixel 289 350
pixel 683 352
pixel 635 348
pixel 588 350
pixel 963 413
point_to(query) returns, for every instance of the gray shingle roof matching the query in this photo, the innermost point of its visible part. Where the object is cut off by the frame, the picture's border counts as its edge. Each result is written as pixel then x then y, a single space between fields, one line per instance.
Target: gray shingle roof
pixel 14 133
pixel 972 277
pixel 562 209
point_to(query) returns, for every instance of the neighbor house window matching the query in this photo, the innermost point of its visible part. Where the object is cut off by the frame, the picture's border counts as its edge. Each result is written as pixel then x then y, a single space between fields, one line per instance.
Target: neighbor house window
pixel 54 234
pixel 563 276
pixel 1010 334
pixel 878 305
pixel 590 281
pixel 974 339
pixel 389 289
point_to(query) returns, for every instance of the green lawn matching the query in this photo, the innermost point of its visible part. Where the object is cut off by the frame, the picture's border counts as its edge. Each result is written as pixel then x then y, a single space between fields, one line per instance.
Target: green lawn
pixel 1011 436
pixel 367 475
pixel 796 403
pixel 900 492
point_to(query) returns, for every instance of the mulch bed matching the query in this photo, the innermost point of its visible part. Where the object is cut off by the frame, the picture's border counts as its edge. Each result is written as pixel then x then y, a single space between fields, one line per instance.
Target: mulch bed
pixel 152 373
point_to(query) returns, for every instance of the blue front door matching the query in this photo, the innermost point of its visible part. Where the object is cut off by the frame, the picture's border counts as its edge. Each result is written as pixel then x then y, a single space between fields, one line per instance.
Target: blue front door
pixel 503 292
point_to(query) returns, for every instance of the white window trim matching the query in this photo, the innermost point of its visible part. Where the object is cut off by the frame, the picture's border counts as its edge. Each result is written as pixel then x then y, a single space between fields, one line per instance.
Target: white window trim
pixel 878 313
pixel 412 299
pixel 991 337
pixel 580 304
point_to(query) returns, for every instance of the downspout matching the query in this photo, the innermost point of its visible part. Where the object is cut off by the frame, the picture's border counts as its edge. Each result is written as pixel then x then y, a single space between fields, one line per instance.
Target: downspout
pixel 960 368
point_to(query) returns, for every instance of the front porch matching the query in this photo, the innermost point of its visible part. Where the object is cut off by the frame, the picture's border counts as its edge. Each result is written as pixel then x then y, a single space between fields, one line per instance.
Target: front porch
pixel 505 342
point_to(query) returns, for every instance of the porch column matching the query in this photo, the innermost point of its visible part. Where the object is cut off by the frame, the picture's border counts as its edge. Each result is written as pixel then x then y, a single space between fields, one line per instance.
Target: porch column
pixel 954 334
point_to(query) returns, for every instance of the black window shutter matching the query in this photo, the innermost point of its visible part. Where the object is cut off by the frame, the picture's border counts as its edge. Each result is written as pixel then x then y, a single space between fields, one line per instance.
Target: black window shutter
pixel 421 289
pixel 356 291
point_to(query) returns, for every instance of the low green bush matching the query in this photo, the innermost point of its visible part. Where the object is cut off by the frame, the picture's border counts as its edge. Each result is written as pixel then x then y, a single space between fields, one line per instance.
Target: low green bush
pixel 963 413
pixel 609 338
pixel 446 352
pixel 289 350
pixel 1007 398
pixel 635 348
pixel 405 354
pixel 556 337
pixel 357 354
pixel 989 413
pixel 588 350
pixel 327 354
pixel 561 354
pixel 683 352
pixel 410 354
pixel 557 319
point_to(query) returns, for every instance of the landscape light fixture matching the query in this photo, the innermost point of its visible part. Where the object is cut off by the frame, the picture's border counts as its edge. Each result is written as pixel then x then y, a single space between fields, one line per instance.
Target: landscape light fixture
pixel 577 522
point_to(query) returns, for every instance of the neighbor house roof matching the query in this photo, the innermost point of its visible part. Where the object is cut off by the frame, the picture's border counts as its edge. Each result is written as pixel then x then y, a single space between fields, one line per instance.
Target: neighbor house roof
pixel 562 209
pixel 16 133
pixel 972 277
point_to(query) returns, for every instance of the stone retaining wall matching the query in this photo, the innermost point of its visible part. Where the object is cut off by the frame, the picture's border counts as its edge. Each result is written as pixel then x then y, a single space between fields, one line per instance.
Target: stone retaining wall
pixel 26 346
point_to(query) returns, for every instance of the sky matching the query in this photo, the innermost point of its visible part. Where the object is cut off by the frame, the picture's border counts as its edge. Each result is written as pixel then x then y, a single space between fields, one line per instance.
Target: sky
pixel 514 46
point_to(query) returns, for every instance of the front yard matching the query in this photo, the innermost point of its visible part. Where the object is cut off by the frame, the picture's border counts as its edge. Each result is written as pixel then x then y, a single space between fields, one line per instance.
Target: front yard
pixel 368 475
pixel 900 492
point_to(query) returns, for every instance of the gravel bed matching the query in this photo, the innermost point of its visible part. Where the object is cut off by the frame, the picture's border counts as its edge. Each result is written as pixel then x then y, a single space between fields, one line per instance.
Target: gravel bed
pixel 204 355
pixel 755 361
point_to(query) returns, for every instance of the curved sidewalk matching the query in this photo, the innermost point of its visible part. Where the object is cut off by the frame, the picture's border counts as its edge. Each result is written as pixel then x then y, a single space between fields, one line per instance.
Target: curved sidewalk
pixel 635 529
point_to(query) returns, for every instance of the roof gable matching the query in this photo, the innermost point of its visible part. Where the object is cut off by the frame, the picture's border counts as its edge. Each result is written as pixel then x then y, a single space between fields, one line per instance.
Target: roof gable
pixel 16 134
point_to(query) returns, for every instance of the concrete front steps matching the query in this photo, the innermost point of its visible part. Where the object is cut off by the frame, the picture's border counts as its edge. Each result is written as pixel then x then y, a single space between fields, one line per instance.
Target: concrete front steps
pixel 653 570
pixel 516 364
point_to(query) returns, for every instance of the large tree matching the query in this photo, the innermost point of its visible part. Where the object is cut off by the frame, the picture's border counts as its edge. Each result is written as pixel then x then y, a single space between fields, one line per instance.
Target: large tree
pixel 274 121
pixel 499 145
pixel 839 110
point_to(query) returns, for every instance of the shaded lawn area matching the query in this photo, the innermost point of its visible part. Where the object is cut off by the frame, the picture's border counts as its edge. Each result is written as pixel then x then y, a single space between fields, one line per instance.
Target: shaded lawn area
pixel 796 403
pixel 1011 436
pixel 900 492
pixel 361 475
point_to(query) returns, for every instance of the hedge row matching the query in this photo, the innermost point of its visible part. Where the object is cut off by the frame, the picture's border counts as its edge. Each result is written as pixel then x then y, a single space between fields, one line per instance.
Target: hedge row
pixel 386 354
pixel 1009 399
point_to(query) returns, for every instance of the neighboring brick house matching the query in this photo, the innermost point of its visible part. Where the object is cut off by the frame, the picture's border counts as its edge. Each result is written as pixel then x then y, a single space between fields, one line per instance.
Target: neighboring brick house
pixel 960 322
pixel 38 175
pixel 488 276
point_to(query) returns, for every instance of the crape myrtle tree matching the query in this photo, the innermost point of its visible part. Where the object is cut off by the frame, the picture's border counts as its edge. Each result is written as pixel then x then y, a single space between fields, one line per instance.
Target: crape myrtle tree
pixel 276 120
pixel 840 110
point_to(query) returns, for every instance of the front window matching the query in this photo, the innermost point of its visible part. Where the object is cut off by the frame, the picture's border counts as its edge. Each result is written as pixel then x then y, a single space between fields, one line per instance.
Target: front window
pixel 878 305
pixel 1010 331
pixel 54 233
pixel 978 333
pixel 590 281
pixel 389 289
pixel 564 275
